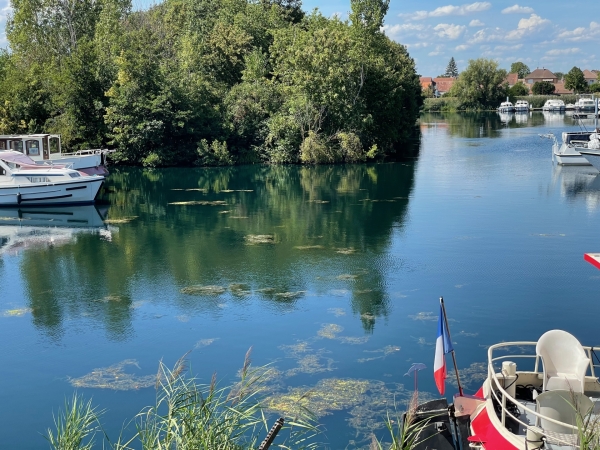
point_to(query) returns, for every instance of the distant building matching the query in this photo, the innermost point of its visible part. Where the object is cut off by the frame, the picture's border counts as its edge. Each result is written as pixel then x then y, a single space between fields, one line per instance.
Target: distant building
pixel 559 88
pixel 426 83
pixel 591 76
pixel 512 79
pixel 443 85
pixel 540 75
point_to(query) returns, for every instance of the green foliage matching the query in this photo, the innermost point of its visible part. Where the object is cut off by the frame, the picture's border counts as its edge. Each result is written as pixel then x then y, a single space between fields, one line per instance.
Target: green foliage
pixel 443 104
pixel 575 80
pixel 518 89
pixel 559 75
pixel 595 87
pixel 520 68
pixel 451 69
pixel 76 426
pixel 543 88
pixel 537 101
pixel 257 77
pixel 481 84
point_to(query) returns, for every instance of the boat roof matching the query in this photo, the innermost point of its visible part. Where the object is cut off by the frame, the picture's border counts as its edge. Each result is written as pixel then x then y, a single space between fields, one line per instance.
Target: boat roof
pixel 23 136
pixel 16 157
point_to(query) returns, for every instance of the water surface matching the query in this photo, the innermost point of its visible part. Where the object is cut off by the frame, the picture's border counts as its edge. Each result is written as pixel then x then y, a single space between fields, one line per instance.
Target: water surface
pixel 329 273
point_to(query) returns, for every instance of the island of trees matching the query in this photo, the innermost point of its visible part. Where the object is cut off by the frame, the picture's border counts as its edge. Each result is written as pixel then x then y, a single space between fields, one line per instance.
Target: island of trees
pixel 209 82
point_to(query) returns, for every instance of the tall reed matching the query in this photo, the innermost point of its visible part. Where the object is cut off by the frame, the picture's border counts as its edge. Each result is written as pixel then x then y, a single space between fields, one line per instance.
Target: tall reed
pixel 76 426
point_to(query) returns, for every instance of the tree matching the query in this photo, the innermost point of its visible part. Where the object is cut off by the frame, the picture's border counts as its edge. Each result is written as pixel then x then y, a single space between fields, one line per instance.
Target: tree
pixel 451 69
pixel 575 80
pixel 521 68
pixel 518 89
pixel 559 75
pixel 594 87
pixel 543 88
pixel 481 84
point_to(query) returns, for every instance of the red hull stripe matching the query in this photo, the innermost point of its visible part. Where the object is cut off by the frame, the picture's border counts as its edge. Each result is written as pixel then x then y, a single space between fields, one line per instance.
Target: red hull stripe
pixel 593 259
pixel 485 432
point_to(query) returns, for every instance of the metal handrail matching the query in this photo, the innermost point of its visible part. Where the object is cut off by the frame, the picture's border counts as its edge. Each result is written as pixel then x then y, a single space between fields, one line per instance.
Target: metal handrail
pixel 505 396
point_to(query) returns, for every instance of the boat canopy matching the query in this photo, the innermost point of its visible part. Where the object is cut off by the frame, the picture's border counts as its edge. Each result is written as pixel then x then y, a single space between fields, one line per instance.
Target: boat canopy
pixel 17 158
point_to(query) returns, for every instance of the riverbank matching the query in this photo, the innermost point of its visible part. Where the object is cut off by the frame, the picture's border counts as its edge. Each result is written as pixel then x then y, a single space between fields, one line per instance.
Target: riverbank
pixel 453 104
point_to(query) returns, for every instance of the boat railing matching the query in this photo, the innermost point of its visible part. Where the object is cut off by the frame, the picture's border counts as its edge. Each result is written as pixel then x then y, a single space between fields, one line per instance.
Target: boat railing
pixel 91 151
pixel 502 397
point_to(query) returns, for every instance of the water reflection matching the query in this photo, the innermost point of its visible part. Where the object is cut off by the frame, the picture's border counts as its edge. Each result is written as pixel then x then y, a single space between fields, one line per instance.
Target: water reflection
pixel 480 125
pixel 194 229
pixel 579 183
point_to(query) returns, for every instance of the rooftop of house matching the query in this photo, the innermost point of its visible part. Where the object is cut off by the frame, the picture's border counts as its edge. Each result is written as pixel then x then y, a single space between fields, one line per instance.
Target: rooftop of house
pixel 590 74
pixel 541 73
pixel 426 82
pixel 512 79
pixel 444 84
pixel 559 88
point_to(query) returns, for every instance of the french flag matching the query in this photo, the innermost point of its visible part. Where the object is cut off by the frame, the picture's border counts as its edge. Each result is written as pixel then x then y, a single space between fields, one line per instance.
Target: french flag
pixel 443 345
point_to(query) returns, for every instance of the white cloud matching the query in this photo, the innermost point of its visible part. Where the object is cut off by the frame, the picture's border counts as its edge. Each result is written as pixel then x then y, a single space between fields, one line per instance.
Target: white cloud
pixel 581 33
pixel 449 10
pixel 563 51
pixel 438 51
pixel 516 9
pixel 461 48
pixel 503 48
pixel 527 26
pixel 450 31
pixel 476 23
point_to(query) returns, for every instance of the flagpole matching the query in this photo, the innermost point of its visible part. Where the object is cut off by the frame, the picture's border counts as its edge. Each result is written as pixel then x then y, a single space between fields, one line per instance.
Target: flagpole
pixel 460 390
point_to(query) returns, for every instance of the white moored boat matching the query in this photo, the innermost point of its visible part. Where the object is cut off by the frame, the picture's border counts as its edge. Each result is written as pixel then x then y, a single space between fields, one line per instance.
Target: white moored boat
pixel 585 104
pixel 568 153
pixel 43 148
pixel 535 404
pixel 506 107
pixel 22 182
pixel 554 105
pixel 522 106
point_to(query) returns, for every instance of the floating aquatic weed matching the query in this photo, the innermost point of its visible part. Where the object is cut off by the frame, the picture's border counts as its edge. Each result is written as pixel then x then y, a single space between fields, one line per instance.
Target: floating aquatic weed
pixel 383 201
pixel 224 212
pixel 367 316
pixel 467 334
pixel 309 247
pixel 330 330
pixel 200 203
pixel 346 251
pixel 339 292
pixel 254 239
pixel 204 343
pixel 472 377
pixel 346 277
pixel 458 286
pixel 120 220
pixel 239 217
pixel 387 350
pixel 114 377
pixel 330 394
pixel 428 315
pixel 320 202
pixel 111 298
pixel 228 191
pixel 137 305
pixel 363 291
pixel 296 349
pixel 311 364
pixel 337 311
pixel 400 198
pixel 267 290
pixel 353 340
pixel 239 289
pixel 203 290
pixel 18 312
pixel 183 318
pixel 421 341
pixel 197 189
pixel 289 295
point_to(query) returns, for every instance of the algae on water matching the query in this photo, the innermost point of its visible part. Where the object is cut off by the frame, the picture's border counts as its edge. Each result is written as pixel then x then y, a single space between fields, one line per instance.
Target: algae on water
pixel 114 377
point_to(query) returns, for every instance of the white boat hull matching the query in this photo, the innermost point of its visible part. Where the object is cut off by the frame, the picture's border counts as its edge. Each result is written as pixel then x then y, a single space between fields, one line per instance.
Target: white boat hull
pixel 592 157
pixel 82 191
pixel 568 156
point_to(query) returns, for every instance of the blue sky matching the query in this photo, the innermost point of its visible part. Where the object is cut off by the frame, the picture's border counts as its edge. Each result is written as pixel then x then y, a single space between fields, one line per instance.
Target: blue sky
pixel 552 34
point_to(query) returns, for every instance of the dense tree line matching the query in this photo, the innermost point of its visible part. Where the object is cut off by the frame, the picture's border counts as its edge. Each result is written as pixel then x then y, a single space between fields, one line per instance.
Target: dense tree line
pixel 210 82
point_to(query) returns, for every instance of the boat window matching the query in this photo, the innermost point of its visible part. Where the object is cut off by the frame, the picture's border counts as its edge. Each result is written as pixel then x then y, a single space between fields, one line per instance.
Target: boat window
pixel 16 146
pixel 2 171
pixel 74 175
pixel 2 145
pixel 39 179
pixel 33 148
pixel 54 145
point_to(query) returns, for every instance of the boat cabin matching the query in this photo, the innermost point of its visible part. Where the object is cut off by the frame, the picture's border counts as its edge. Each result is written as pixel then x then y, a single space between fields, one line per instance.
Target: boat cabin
pixel 36 146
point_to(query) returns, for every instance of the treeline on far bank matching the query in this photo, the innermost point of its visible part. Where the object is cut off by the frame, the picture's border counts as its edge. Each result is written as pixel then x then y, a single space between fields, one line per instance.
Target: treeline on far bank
pixel 209 82
pixel 454 104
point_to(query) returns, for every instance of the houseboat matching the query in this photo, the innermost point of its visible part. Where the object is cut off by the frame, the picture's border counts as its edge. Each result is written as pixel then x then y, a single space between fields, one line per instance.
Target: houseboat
pixel 585 103
pixel 506 107
pixel 522 106
pixel 46 148
pixel 554 105
pixel 23 182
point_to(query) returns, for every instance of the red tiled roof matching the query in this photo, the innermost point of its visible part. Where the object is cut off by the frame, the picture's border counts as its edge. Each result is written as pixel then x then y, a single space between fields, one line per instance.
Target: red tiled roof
pixel 426 82
pixel 512 79
pixel 444 84
pixel 589 75
pixel 541 73
pixel 559 88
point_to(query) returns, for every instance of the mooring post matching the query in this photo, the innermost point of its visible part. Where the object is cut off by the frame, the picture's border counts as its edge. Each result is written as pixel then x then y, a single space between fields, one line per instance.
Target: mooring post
pixel 272 434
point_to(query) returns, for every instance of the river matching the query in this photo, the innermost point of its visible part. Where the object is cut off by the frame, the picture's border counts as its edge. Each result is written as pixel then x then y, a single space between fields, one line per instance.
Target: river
pixel 331 274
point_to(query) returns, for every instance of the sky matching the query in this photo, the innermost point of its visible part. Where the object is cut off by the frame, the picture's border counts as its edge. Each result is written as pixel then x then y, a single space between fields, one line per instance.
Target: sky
pixel 553 34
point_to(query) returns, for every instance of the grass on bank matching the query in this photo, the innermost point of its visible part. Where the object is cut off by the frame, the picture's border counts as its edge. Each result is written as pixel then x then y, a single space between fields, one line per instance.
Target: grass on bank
pixel 189 415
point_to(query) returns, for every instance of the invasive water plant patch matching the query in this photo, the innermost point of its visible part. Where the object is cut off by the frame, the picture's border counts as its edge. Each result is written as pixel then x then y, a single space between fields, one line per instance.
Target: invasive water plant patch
pixel 17 312
pixel 204 343
pixel 114 377
pixel 201 203
pixel 309 247
pixel 203 290
pixel 346 251
pixel 120 220
pixel 255 239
